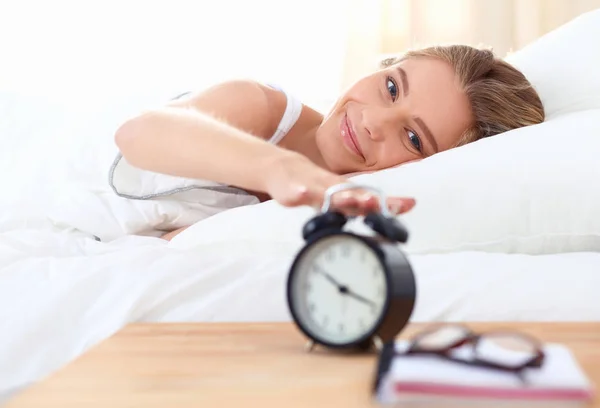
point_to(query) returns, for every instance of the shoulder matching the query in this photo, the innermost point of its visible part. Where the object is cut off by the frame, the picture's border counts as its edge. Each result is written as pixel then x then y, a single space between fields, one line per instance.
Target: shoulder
pixel 249 105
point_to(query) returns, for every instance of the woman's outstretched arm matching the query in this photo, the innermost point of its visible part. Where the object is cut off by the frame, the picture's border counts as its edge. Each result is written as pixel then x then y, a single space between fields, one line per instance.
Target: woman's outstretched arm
pixel 186 139
pixel 219 135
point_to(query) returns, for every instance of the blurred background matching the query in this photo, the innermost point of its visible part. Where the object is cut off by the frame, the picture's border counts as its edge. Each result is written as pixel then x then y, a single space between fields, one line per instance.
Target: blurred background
pixel 314 48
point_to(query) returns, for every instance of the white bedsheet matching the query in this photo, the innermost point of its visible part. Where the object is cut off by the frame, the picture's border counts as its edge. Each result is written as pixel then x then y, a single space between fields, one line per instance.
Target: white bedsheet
pixel 61 293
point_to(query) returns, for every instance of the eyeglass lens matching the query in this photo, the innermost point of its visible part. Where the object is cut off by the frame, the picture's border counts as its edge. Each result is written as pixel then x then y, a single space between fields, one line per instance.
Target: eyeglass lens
pixel 505 349
pixel 442 338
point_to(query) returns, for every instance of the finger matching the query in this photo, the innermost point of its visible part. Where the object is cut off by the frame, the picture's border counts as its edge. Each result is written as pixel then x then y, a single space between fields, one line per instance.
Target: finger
pixel 345 201
pixel 361 203
pixel 355 204
pixel 400 205
pixel 368 202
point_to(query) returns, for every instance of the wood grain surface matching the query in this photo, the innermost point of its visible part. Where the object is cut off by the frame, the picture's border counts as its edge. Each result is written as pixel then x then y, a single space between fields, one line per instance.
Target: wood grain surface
pixel 243 365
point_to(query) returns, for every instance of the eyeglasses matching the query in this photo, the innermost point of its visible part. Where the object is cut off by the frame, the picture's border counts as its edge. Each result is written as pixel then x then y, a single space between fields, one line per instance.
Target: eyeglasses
pixel 507 351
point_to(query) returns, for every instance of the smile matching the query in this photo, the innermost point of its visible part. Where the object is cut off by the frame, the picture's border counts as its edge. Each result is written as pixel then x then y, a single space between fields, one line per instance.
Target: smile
pixel 349 137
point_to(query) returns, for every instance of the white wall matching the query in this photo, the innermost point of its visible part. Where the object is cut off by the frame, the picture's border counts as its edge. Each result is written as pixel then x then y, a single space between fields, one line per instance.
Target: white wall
pixel 63 47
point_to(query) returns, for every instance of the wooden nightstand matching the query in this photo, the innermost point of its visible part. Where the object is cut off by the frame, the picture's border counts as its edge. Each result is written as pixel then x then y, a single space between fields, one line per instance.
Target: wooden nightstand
pixel 241 365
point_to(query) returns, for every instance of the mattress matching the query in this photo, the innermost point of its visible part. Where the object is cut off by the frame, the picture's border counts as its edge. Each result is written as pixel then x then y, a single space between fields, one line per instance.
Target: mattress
pixel 61 293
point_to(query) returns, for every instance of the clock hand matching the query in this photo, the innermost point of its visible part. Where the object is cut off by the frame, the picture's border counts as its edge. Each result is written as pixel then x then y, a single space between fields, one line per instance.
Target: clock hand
pixel 343 288
pixel 330 278
pixel 359 297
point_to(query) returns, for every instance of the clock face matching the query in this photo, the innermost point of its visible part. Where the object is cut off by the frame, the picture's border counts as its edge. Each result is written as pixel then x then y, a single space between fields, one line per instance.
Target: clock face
pixel 338 290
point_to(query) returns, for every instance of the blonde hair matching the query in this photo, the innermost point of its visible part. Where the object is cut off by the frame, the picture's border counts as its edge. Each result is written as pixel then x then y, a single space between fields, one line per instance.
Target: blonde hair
pixel 501 97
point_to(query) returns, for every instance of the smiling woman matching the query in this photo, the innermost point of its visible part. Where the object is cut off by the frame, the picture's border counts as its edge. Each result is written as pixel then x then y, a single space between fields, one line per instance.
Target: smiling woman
pixel 407 111
pixel 260 139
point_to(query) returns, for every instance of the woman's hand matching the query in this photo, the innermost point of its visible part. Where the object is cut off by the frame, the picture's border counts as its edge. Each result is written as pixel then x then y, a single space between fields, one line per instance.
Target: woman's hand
pixel 294 181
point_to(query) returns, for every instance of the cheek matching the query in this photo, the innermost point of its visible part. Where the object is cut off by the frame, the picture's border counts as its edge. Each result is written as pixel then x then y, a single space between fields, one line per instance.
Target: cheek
pixel 362 92
pixel 330 126
pixel 394 154
pixel 332 119
pixel 327 134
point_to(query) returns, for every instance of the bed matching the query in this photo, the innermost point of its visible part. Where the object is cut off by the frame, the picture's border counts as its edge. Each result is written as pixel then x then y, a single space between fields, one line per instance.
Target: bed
pixel 499 234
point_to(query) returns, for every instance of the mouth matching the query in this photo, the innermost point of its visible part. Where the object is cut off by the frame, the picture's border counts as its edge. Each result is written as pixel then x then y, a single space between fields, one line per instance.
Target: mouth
pixel 349 137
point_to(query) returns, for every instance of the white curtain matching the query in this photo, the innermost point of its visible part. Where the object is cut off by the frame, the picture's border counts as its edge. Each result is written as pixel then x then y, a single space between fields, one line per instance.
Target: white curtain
pixel 381 27
pixel 103 47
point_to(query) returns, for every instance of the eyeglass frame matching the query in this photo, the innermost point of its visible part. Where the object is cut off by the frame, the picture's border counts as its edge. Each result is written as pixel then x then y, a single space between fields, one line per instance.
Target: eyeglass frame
pixel 474 338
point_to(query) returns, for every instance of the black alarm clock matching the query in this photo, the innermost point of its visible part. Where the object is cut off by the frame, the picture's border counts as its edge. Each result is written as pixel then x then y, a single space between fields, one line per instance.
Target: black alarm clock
pixel 351 291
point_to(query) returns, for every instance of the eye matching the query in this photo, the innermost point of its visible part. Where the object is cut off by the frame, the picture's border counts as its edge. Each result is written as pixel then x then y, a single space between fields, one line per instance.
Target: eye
pixel 414 140
pixel 392 88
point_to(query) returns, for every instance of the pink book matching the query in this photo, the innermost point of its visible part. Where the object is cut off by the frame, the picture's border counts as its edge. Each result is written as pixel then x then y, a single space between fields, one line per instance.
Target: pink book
pixel 433 379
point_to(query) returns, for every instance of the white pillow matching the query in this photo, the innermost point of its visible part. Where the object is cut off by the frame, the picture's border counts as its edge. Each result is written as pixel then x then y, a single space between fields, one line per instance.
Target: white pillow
pixel 563 65
pixel 531 190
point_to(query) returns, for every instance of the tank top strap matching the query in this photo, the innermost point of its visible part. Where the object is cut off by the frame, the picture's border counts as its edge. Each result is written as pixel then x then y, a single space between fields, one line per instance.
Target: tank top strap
pixel 293 109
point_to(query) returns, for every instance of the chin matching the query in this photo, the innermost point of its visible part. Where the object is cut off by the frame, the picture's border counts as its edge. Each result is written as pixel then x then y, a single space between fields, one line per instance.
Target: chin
pixel 334 165
pixel 334 153
pixel 344 168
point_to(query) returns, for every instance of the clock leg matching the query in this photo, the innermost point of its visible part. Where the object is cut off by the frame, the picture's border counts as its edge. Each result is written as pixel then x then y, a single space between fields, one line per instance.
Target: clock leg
pixel 377 343
pixel 310 346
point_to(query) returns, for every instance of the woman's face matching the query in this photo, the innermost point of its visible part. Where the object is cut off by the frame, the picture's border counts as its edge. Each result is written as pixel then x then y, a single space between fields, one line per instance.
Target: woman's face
pixel 402 113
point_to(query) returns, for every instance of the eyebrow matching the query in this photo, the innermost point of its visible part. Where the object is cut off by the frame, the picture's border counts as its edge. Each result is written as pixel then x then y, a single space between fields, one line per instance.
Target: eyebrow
pixel 418 120
pixel 404 79
pixel 427 133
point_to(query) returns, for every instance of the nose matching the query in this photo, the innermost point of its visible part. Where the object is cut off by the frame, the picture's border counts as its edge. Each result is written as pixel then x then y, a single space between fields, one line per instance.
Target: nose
pixel 383 122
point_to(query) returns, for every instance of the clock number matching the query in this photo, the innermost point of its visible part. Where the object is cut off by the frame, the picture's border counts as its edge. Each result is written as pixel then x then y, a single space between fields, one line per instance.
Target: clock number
pixel 329 255
pixel 375 271
pixel 346 249
pixel 312 307
pixel 373 310
pixel 363 255
pixel 380 291
pixel 361 323
pixel 307 286
pixel 341 328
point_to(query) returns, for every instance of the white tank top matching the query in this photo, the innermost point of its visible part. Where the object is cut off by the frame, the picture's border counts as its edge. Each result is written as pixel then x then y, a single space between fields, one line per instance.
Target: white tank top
pixel 193 199
pixel 293 109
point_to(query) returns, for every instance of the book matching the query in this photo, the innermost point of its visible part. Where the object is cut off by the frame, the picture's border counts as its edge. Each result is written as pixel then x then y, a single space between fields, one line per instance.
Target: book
pixel 430 378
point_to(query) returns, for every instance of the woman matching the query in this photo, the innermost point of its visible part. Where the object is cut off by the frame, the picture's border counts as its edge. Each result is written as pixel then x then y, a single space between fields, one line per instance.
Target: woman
pixel 417 105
